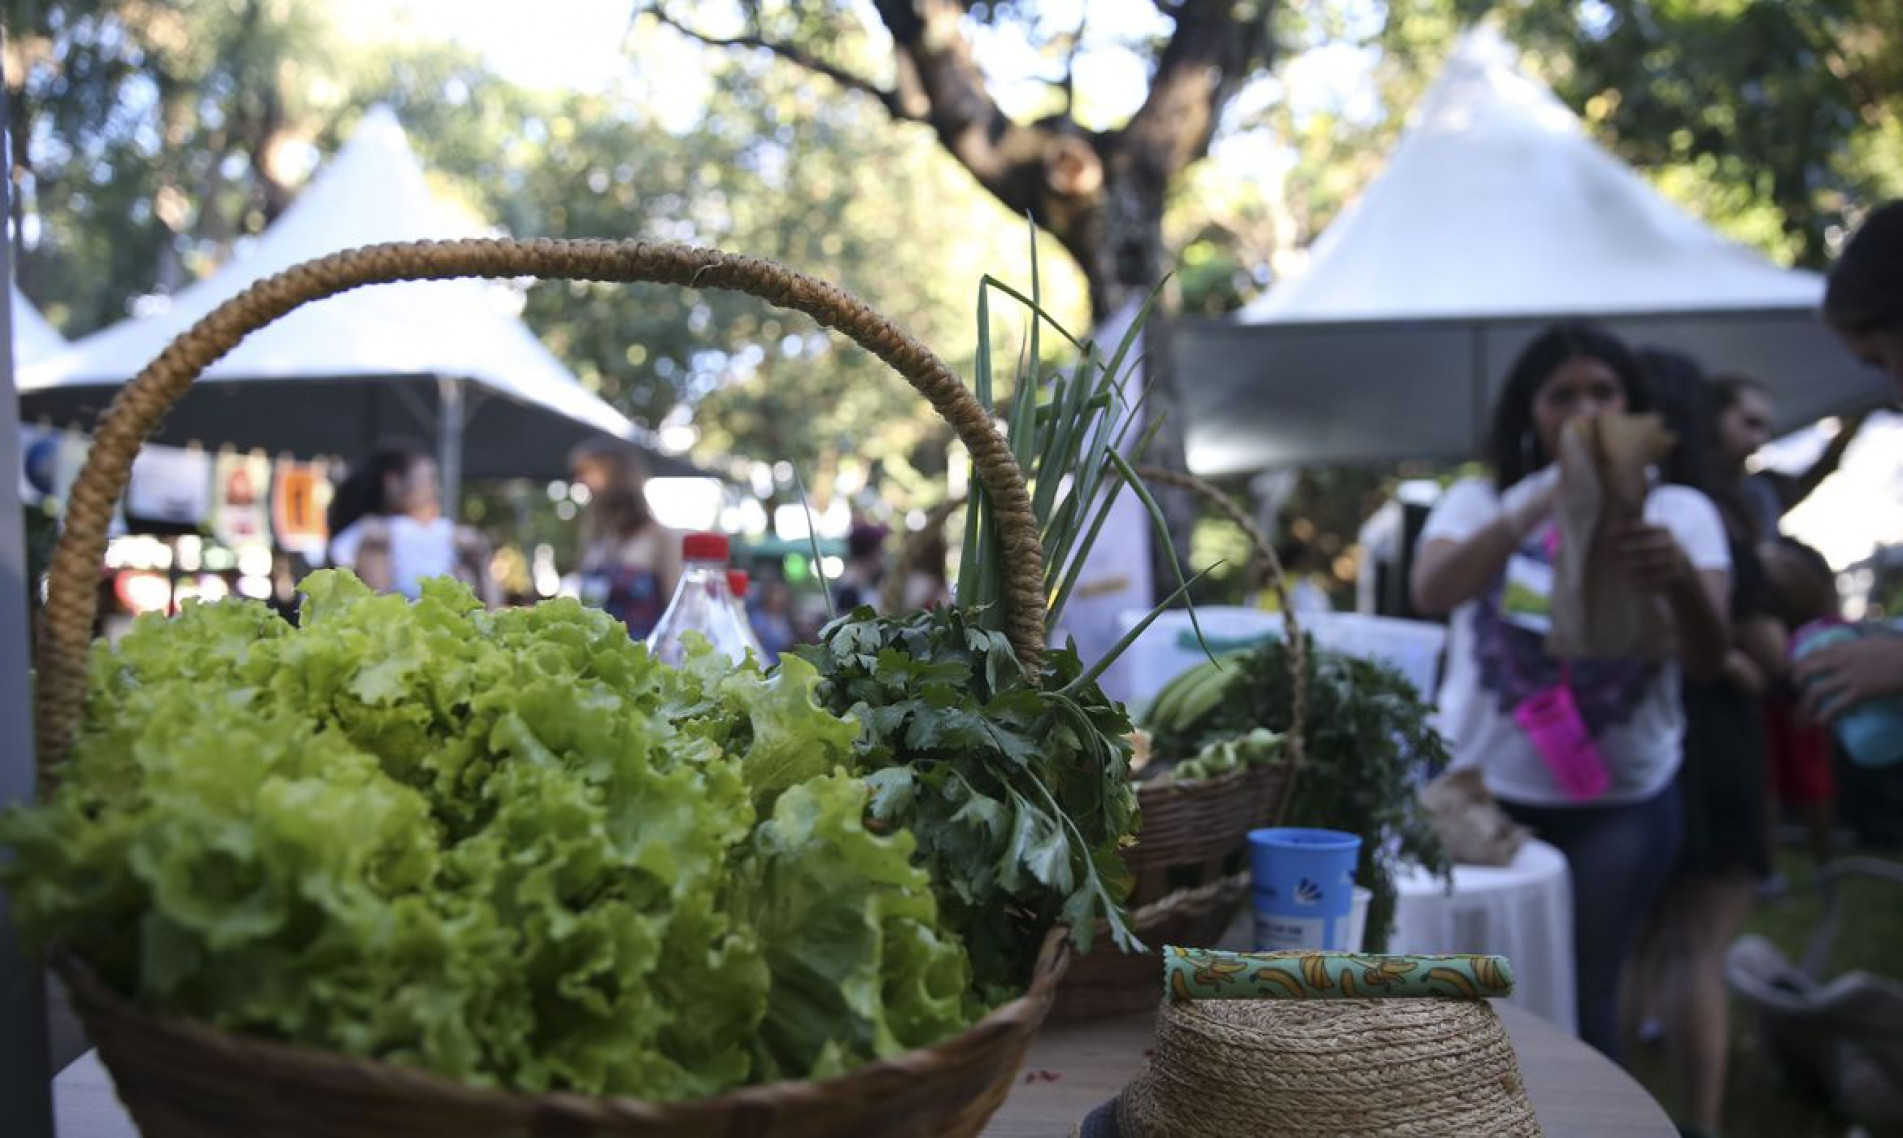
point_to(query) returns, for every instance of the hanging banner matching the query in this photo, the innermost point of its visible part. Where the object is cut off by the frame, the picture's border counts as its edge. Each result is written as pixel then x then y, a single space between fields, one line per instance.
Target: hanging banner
pixel 240 514
pixel 300 493
pixel 170 485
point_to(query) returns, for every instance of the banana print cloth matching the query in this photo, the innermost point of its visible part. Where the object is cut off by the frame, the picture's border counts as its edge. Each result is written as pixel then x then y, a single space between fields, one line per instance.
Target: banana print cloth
pixel 1211 974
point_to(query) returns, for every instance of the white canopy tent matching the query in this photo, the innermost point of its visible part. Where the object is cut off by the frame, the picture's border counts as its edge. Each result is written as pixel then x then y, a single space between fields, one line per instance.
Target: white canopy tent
pixel 33 338
pixel 1495 215
pixel 333 377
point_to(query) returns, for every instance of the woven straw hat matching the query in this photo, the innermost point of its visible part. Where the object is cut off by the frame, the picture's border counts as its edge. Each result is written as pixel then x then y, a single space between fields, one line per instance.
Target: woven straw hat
pixel 1323 1068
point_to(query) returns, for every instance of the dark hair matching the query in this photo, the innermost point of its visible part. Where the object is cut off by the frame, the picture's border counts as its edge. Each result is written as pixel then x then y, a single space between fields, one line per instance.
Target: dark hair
pixel 1865 291
pixel 1803 585
pixel 364 493
pixel 1677 385
pixel 1516 450
pixel 620 511
pixel 1728 389
pixel 1726 479
pixel 864 541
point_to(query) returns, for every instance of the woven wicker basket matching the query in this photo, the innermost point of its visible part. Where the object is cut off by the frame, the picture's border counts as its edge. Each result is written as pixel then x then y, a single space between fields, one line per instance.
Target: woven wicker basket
pixel 181 1078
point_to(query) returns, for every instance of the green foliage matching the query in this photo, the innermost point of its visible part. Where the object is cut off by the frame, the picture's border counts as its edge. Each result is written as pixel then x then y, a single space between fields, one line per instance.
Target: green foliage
pixel 504 846
pixel 1366 733
pixel 1776 120
pixel 1019 794
pixel 858 964
pixel 133 194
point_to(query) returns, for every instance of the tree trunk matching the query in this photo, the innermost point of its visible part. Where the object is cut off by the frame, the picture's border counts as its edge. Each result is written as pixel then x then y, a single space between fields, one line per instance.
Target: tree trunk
pixel 1100 194
pixel 1117 240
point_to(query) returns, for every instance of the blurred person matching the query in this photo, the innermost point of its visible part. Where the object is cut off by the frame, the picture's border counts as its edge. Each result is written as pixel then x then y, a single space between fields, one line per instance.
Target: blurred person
pixel 1863 304
pixel 1744 410
pixel 387 526
pixel 630 562
pixel 926 583
pixel 771 613
pixel 1678 970
pixel 1303 569
pixel 1485 533
pixel 858 583
pixel 1804 588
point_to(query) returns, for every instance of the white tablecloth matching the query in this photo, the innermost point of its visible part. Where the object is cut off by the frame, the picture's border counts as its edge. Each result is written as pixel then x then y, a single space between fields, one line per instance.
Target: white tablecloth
pixel 1523 911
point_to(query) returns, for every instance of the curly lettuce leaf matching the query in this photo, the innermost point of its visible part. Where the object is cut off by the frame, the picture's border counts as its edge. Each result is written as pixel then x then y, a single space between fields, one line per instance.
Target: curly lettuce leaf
pixel 860 968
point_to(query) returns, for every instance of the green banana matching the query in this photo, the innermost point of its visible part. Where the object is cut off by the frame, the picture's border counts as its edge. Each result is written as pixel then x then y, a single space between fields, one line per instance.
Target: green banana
pixel 1188 697
pixel 1164 713
pixel 1204 693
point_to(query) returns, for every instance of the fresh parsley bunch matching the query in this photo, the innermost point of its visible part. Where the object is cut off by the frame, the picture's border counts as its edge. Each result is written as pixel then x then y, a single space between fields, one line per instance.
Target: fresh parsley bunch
pixel 1019 794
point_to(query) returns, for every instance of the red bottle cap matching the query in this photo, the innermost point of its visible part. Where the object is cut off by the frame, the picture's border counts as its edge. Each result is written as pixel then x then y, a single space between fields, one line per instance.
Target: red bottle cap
pixel 737 583
pixel 704 547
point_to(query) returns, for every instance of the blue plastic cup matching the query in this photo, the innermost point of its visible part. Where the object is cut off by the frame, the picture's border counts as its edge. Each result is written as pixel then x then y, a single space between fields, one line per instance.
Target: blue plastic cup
pixel 1303 887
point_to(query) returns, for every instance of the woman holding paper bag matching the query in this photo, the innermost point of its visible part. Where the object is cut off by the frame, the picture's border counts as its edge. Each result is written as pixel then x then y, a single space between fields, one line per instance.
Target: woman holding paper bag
pixel 1582 750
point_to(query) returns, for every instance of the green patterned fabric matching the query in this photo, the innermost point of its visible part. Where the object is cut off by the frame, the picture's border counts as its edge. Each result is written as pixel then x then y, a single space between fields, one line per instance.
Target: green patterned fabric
pixel 1211 974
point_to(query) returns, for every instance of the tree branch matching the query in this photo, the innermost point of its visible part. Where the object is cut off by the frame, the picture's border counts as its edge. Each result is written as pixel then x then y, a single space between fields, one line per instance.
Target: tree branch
pixel 941 83
pixel 890 100
pixel 1207 60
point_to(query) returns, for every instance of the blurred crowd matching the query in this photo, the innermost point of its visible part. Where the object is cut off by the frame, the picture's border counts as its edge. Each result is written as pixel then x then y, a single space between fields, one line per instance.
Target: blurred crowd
pixel 388 526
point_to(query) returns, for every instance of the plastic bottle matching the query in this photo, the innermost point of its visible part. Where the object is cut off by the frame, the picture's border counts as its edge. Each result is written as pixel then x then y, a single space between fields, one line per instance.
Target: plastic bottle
pixel 702 604
pixel 737 584
pixel 1872 731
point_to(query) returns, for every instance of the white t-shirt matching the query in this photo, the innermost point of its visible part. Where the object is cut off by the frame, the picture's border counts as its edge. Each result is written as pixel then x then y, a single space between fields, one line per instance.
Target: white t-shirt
pixel 417 549
pixel 1642 721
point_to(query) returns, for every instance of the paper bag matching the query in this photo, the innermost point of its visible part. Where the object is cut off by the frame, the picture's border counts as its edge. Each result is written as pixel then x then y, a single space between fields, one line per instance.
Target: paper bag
pixel 1598 611
pixel 1469 822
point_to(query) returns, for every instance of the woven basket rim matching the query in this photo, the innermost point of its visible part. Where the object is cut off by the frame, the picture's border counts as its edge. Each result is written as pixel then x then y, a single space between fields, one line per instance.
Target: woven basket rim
pixel 93 993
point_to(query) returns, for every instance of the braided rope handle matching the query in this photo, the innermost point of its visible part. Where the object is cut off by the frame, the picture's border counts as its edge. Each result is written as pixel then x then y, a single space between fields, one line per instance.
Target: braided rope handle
pixel 138 407
pixel 1269 566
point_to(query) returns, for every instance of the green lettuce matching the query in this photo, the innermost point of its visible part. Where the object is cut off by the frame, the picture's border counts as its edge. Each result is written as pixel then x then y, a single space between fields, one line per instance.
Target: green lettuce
pixel 860 969
pixel 508 847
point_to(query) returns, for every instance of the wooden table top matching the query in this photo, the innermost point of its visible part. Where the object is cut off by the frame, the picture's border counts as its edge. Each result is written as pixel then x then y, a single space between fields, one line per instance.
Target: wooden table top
pixel 1576 1091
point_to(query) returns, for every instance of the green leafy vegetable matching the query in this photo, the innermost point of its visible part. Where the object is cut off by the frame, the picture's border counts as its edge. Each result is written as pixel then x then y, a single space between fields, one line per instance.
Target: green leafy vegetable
pixel 859 966
pixel 507 847
pixel 1018 795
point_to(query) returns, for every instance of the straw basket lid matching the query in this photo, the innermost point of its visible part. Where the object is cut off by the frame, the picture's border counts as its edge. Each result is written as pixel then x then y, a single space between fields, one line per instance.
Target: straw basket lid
pixel 1323 1068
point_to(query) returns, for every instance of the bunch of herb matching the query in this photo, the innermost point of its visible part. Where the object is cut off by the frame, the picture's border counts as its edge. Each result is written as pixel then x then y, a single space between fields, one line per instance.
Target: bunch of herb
pixel 1019 795
pixel 1016 785
pixel 1367 733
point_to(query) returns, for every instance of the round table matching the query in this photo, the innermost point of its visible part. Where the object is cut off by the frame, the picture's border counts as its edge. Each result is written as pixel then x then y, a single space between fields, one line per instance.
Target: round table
pixel 1522 910
pixel 1073 1067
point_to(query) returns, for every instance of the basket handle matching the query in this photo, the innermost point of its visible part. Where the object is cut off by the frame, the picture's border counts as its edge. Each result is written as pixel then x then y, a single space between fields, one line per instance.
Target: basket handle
pixel 1267 565
pixel 138 407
